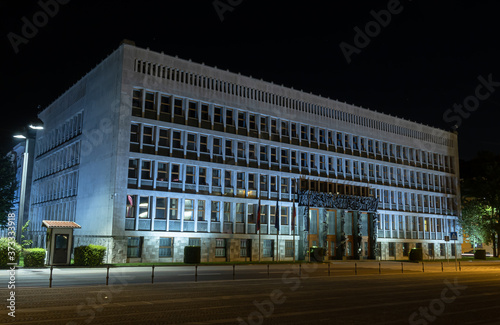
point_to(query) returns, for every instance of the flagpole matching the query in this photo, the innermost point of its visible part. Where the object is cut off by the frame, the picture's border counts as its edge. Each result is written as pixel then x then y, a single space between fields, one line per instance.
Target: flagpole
pixel 258 225
pixel 277 218
pixel 293 218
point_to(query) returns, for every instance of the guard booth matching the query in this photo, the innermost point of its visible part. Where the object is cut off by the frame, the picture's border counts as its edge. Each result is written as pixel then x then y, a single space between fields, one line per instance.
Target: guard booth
pixel 59 241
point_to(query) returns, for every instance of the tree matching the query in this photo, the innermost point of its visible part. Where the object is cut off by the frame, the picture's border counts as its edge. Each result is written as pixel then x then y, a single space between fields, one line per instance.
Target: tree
pixel 480 186
pixel 8 187
pixel 475 221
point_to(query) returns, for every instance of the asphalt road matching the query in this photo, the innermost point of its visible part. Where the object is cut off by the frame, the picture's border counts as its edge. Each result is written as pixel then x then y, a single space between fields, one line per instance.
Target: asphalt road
pixel 94 276
pixel 414 297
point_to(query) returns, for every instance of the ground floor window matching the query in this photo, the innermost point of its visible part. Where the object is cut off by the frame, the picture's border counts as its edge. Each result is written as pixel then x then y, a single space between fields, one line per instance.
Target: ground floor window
pixel 332 248
pixel 268 248
pixel 166 247
pixel 442 249
pixel 406 249
pixel 392 249
pixel 245 248
pixel 220 247
pixel 134 247
pixel 288 248
pixel 365 248
pixel 194 242
pixel 453 249
pixel 430 249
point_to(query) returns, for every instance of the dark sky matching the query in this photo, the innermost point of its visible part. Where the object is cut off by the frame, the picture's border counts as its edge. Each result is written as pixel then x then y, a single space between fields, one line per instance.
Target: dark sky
pixel 426 59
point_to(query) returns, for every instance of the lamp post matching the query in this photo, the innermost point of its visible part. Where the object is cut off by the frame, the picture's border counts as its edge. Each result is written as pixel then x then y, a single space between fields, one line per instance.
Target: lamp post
pixel 28 136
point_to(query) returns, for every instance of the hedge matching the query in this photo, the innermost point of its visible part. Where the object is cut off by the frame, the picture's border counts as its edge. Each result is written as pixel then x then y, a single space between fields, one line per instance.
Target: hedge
pixel 91 255
pixel 416 254
pixel 34 257
pixel 15 251
pixel 192 254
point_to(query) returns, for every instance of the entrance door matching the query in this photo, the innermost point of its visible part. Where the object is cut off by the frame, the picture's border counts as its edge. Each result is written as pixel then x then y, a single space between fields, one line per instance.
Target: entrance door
pixel 61 249
pixel 313 229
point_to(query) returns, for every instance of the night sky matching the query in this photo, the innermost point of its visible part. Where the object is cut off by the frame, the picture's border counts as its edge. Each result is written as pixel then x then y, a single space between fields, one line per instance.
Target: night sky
pixel 428 59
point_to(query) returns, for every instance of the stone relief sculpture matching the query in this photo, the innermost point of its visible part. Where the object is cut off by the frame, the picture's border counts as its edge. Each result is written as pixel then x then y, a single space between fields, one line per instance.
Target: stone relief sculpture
pixel 337 201
pixel 359 237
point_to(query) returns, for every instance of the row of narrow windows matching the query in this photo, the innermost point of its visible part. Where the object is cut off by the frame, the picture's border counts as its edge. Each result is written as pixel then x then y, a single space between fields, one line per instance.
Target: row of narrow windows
pixel 193 79
pixel 175 109
pixel 69 129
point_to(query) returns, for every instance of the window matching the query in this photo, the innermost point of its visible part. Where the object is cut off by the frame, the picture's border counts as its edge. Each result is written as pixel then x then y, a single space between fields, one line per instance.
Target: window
pixel 204 144
pixel 161 208
pixel 228 179
pixel 190 174
pixel 193 110
pixel 166 247
pixel 227 211
pixel 217 147
pixel 263 153
pixel 176 140
pixel 134 133
pixel 215 211
pixel 229 148
pixel 312 132
pixel 303 159
pixel 178 107
pixel 241 150
pixel 288 248
pixel 242 120
pixel 165 104
pixel 216 174
pixel 174 173
pixel 392 249
pixel 274 188
pixel 284 128
pixel 284 215
pixel 194 242
pixel 174 207
pixel 240 183
pixel 147 135
pixel 201 210
pixel 218 114
pixel 229 117
pixel 251 214
pixel 263 214
pixel 284 184
pixel 322 138
pixel 252 124
pixel 251 151
pixel 220 247
pixel 134 247
pixel 132 168
pixel 263 182
pixel 204 113
pixel 284 156
pixel 163 140
pixel 191 142
pixel 149 104
pixel 240 212
pixel 131 204
pixel 202 176
pixel 268 248
pixel 294 130
pixel 274 127
pixel 303 132
pixel 274 158
pixel 188 210
pixel 144 207
pixel 251 181
pixel 264 124
pixel 137 99
pixel 245 248
pixel 293 154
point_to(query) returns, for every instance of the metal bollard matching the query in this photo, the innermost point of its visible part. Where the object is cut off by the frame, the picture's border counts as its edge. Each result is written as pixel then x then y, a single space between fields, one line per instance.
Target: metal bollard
pixel 356 268
pixel 50 278
pixel 379 270
pixel 268 271
pixel 233 270
pixel 152 274
pixel 423 268
pixel 402 267
pixel 196 273
pixel 459 266
pixel 442 269
pixel 107 275
pixel 300 269
pixel 329 269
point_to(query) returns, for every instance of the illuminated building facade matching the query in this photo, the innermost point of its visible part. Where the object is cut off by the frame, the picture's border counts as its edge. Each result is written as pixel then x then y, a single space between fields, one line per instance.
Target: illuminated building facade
pixel 151 153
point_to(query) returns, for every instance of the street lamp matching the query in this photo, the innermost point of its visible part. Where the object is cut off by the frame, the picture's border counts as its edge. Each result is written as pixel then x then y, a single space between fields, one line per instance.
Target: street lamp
pixel 28 135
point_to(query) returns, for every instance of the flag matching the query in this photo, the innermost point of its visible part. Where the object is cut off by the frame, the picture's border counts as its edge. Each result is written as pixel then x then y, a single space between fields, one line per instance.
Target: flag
pixel 258 217
pixel 307 216
pixel 131 205
pixel 293 217
pixel 277 214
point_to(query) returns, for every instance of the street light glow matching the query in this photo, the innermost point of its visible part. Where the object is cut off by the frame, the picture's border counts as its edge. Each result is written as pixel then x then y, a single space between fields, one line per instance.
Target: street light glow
pixel 19 136
pixel 36 127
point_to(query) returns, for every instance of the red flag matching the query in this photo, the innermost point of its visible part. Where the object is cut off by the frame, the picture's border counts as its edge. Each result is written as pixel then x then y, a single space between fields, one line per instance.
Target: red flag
pixel 131 202
pixel 258 217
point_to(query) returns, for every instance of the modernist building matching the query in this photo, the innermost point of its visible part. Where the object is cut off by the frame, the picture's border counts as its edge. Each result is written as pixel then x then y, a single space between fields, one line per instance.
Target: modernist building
pixel 150 153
